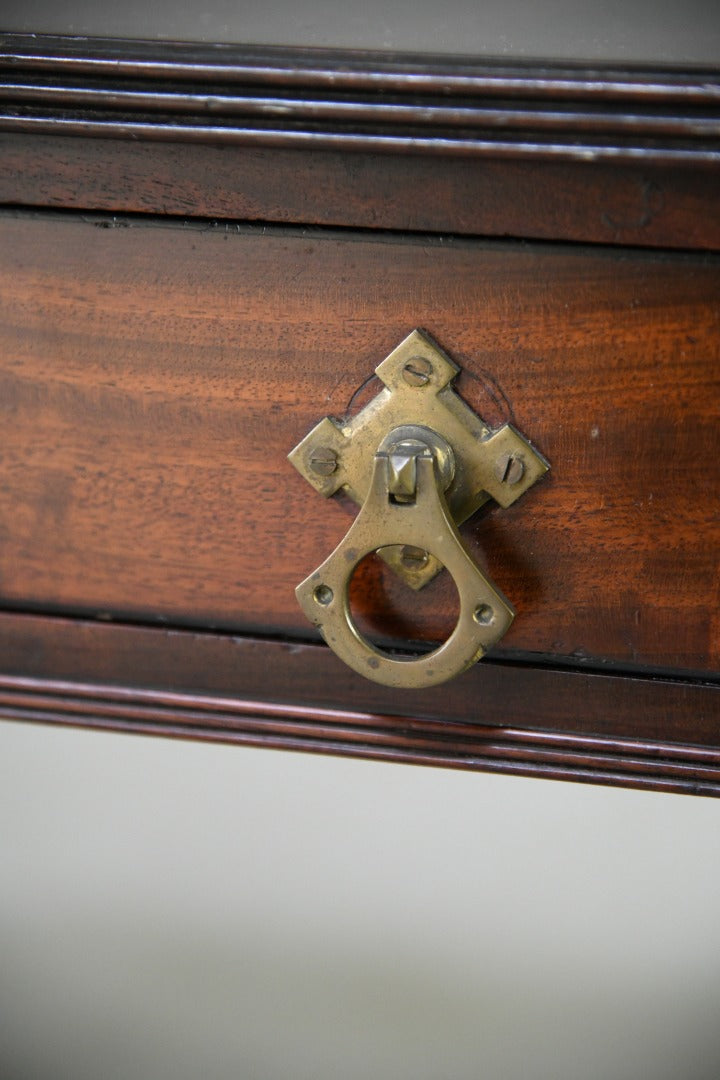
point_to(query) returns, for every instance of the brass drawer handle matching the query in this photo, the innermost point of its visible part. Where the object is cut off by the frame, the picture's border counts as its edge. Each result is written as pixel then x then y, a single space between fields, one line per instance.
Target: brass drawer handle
pixel 424 521
pixel 419 461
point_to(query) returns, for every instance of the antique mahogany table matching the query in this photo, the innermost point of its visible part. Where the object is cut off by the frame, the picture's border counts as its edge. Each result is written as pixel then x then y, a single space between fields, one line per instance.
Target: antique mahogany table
pixel 206 248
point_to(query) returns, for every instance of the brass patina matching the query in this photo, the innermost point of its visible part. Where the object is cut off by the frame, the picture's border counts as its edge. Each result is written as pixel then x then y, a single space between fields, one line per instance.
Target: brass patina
pixel 419 462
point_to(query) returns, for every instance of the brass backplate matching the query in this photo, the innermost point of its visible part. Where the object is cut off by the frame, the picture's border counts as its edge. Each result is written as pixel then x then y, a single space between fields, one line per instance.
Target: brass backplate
pixel 417 376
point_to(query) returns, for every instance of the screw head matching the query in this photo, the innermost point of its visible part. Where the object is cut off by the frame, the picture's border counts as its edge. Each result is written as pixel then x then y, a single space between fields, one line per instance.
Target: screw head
pixel 417 371
pixel 323 460
pixel 323 595
pixel 413 558
pixel 509 469
pixel 483 614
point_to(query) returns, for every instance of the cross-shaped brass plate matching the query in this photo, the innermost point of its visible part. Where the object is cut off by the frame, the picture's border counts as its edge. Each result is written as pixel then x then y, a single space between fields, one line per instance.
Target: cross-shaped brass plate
pixel 417 378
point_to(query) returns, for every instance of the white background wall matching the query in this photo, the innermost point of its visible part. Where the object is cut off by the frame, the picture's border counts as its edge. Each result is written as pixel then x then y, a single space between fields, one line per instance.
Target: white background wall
pixel 172 910
pixel 647 31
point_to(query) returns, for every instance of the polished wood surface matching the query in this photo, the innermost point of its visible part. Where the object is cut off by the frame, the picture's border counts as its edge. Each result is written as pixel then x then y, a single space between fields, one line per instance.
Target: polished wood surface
pixel 379 140
pixel 155 375
pixel 156 369
pixel 504 717
pixel 639 205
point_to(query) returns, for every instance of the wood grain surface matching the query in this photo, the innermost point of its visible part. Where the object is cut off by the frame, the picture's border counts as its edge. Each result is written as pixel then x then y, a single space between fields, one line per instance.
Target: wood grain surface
pixel 501 717
pixel 623 155
pixel 153 377
pixel 595 202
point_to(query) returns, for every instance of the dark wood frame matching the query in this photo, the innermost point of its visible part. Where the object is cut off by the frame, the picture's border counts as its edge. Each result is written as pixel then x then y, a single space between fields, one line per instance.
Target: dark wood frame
pixel 332 98
pixel 512 717
pixel 358 140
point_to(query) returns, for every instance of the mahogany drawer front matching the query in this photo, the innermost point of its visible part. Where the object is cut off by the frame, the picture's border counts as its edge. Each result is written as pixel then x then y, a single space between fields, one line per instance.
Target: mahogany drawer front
pixel 155 376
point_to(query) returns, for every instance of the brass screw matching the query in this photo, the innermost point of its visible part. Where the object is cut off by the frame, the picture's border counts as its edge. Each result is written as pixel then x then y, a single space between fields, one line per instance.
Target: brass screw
pixel 483 614
pixel 413 558
pixel 417 371
pixel 509 469
pixel 323 461
pixel 323 595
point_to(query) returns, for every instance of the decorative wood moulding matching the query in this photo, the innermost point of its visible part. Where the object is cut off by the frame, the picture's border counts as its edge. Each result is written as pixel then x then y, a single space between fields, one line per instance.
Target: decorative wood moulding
pixel 347 100
pixel 299 697
pixel 618 762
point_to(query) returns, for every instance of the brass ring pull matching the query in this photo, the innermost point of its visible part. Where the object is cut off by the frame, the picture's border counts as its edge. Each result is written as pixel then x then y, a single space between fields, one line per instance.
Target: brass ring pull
pixel 415 445
pixel 419 518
